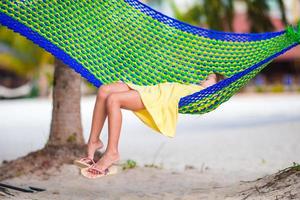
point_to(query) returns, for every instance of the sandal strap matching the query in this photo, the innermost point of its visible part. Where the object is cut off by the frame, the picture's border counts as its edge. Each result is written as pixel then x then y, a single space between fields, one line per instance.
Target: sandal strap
pixel 87 159
pixel 93 168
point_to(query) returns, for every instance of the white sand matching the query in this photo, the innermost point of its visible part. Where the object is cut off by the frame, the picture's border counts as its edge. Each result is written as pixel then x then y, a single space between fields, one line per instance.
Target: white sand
pixel 138 183
pixel 152 184
pixel 248 135
pixel 246 138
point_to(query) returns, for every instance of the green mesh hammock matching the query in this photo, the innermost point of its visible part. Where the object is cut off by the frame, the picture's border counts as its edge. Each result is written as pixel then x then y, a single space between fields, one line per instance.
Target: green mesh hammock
pixel 110 40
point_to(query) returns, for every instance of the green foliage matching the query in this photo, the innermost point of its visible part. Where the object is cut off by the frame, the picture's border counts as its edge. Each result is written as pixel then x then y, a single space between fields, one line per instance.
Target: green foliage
pixel 282 11
pixel 159 2
pixel 219 14
pixel 72 138
pixel 296 166
pixel 21 55
pixel 34 90
pixel 193 15
pixel 258 14
pixel 278 88
pixel 260 89
pixel 129 164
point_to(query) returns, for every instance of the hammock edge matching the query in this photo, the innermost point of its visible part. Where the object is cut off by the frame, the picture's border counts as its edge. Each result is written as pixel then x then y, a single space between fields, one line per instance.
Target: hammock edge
pixel 45 44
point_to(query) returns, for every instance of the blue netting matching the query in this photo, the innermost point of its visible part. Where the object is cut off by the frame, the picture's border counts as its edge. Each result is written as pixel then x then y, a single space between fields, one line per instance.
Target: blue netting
pixel 226 82
pixel 212 34
pixel 48 46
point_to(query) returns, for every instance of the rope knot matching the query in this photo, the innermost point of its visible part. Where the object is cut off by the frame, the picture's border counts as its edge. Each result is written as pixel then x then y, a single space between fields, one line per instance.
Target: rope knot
pixel 294 32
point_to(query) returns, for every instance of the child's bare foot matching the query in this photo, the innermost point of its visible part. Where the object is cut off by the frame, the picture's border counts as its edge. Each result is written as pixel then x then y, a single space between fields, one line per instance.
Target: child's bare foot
pixel 92 147
pixel 89 160
pixel 106 161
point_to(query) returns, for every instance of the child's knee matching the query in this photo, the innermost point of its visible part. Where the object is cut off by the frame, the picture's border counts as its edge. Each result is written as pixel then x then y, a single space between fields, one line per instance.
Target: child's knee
pixel 112 100
pixel 103 92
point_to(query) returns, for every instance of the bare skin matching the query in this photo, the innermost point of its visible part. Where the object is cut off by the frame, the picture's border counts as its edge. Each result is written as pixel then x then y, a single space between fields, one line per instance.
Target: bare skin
pixel 100 114
pixel 110 100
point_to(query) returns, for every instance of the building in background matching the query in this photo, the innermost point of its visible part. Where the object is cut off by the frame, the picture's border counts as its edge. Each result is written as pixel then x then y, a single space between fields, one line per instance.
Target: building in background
pixel 283 74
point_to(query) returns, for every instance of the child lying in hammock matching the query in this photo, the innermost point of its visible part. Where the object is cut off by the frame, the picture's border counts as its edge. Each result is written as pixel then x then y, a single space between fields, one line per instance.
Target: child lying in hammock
pixel 156 106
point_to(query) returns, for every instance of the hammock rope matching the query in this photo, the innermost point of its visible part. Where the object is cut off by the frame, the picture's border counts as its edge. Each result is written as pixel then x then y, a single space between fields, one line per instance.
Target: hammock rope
pixel 294 33
pixel 110 40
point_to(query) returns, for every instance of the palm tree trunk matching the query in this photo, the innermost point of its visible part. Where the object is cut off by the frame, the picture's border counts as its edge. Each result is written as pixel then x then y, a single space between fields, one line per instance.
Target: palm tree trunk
pixel 258 16
pixel 282 11
pixel 66 124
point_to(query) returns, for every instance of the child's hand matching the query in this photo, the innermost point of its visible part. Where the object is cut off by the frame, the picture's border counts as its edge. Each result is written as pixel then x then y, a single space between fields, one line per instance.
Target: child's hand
pixel 209 81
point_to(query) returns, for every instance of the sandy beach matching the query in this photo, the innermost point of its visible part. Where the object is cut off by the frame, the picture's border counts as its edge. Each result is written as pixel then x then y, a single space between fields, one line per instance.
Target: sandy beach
pixel 211 157
pixel 150 184
pixel 139 183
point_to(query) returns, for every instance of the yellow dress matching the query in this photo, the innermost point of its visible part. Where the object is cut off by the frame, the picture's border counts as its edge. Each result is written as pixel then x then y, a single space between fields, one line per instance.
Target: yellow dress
pixel 161 104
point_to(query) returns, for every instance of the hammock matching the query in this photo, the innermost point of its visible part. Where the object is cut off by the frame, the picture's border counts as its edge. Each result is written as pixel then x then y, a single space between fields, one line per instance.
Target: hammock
pixel 110 40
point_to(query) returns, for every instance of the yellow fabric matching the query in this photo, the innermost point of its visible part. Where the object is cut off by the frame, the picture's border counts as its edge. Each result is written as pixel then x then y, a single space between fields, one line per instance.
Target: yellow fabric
pixel 161 104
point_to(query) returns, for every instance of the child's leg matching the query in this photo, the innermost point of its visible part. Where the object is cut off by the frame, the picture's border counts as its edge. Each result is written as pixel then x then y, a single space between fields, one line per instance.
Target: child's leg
pixel 129 100
pixel 100 113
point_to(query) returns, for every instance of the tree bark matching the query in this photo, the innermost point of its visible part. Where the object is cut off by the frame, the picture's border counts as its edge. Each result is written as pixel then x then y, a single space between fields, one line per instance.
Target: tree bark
pixel 66 124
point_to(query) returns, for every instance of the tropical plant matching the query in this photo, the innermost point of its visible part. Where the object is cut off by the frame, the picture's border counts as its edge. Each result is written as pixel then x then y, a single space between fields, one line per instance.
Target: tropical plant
pixel 258 16
pixel 27 59
pixel 194 15
pixel 282 11
pixel 219 14
pixel 216 14
pixel 21 55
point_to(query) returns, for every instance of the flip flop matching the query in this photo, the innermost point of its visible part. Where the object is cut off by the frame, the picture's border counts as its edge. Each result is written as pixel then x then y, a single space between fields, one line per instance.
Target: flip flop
pixel 92 172
pixel 84 162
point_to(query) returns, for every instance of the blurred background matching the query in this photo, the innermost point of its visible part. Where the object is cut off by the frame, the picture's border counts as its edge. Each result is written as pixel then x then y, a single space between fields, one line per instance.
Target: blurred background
pixel 26 70
pixel 255 133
